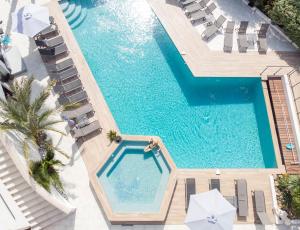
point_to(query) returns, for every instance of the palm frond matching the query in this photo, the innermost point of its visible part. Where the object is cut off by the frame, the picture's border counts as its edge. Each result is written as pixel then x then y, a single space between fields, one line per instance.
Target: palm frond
pixel 61 152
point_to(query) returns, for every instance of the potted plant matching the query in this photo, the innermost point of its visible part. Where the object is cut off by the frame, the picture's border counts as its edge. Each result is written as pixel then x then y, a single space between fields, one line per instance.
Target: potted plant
pixel 113 136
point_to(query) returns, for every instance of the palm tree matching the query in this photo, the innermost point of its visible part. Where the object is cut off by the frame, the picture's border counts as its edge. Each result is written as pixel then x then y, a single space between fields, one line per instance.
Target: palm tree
pixel 45 172
pixel 29 117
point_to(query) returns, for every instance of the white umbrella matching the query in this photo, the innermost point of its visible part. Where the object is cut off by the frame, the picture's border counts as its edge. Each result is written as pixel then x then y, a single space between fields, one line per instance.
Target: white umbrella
pixel 30 19
pixel 210 211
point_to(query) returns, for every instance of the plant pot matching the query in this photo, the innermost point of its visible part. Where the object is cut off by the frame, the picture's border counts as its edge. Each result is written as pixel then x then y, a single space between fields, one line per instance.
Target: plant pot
pixel 118 139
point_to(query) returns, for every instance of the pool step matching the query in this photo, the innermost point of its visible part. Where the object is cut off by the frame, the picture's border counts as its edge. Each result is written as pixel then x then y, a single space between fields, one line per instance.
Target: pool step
pixel 76 13
pixel 71 8
pixel 79 20
pixel 64 4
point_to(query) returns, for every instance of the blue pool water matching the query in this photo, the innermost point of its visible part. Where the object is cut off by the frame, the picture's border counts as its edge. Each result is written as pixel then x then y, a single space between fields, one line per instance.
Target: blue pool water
pixel 204 122
pixel 133 180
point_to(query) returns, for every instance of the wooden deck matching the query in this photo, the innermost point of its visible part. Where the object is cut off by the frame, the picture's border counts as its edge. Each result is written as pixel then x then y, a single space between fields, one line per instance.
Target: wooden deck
pixel 283 124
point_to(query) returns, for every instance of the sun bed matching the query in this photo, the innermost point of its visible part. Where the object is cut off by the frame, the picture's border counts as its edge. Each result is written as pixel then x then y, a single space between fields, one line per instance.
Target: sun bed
pixel 214 28
pixel 84 131
pixel 54 51
pixel 262 38
pixel 242 196
pixel 52 29
pixel 51 42
pixel 190 189
pixel 65 74
pixel 68 87
pixel 74 98
pixel 232 200
pixel 200 15
pixel 214 184
pixel 228 36
pixel 13 60
pixel 260 207
pixel 57 67
pixel 186 2
pixel 263 30
pixel 82 110
pixel 203 3
pixel 242 37
pixel 192 8
pixel 262 45
pixel 243 27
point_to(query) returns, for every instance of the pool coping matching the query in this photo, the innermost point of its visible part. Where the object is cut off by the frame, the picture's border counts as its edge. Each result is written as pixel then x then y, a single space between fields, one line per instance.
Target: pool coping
pixel 135 218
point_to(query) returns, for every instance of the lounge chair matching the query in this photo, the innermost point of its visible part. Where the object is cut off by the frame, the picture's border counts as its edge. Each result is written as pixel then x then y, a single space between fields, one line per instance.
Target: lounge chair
pixel 186 2
pixel 51 30
pixel 68 87
pixel 73 98
pixel 263 30
pixel 84 131
pixel 82 110
pixel 260 207
pixel 262 38
pixel 52 52
pixel 242 36
pixel 13 60
pixel 50 43
pixel 214 28
pixel 262 45
pixel 228 36
pixel 201 15
pixel 65 74
pixel 232 200
pixel 203 3
pixel 214 184
pixel 243 27
pixel 190 189
pixel 192 8
pixel 57 67
pixel 242 196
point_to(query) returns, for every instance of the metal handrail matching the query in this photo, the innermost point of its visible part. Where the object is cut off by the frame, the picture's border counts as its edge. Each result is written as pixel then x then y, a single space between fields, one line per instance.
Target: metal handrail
pixel 275 66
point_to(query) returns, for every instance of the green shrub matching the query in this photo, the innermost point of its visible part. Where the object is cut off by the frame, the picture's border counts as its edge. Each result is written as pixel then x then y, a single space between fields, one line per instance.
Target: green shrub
pixel 286 13
pixel 288 187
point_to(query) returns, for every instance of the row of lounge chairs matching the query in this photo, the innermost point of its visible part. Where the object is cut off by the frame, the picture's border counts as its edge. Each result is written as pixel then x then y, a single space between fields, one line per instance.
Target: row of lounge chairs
pixel 61 68
pixel 239 200
pixel 199 12
pixel 243 42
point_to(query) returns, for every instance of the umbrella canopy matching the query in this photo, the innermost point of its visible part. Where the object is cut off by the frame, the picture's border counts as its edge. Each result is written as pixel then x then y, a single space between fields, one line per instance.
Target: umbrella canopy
pixel 210 211
pixel 30 20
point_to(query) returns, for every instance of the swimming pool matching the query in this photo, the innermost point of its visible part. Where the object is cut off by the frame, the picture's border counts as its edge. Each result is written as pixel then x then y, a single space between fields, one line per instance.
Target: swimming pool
pixel 204 122
pixel 135 181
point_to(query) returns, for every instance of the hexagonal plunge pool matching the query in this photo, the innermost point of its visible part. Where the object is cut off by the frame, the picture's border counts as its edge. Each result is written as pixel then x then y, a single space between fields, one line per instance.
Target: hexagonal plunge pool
pixel 134 181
